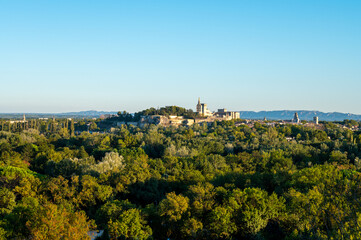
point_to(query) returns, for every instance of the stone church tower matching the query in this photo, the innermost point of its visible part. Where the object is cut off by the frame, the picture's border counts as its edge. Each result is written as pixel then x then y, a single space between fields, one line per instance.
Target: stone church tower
pixel 199 106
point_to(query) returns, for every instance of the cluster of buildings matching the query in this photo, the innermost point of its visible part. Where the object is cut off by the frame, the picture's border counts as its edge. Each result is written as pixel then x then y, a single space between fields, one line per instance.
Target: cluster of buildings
pixel 203 115
pixel 19 121
pixel 165 120
pixel 107 116
pixel 297 120
pixel 221 114
pixel 159 120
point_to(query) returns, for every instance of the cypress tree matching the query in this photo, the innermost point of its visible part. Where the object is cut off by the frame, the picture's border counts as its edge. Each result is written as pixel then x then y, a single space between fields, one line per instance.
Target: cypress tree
pixel 72 128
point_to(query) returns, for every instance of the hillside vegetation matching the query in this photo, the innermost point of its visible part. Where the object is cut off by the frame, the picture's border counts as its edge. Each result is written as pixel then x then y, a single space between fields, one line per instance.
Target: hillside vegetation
pixel 217 181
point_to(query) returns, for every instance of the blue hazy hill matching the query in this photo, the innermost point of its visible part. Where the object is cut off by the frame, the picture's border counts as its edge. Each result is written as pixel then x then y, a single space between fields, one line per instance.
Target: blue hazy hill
pixel 81 114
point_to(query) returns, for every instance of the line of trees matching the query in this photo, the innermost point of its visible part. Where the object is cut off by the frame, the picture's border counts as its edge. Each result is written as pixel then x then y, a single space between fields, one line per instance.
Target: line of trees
pixel 164 111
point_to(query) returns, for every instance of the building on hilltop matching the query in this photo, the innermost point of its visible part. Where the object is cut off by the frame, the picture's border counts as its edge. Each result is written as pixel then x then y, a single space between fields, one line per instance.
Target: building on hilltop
pixel 107 116
pixel 224 114
pixel 19 121
pixel 202 109
pixel 199 106
pixel 159 120
pixel 205 116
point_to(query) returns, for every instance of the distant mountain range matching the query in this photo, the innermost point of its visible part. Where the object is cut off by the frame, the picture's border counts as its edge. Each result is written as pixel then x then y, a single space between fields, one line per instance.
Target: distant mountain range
pixel 81 114
pixel 302 114
pixel 270 115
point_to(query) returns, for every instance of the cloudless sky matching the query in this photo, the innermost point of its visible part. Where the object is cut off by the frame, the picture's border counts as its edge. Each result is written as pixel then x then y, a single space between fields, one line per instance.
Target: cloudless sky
pixel 59 56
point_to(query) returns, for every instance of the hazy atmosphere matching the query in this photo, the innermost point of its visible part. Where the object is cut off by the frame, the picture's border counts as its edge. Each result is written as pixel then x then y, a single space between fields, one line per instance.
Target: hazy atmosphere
pixel 59 56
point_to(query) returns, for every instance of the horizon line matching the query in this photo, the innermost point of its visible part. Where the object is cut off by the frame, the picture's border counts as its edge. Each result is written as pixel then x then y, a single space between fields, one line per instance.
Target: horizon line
pixel 110 111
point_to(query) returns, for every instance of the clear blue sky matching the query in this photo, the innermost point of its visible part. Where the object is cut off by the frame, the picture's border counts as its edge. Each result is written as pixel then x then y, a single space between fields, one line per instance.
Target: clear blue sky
pixel 58 56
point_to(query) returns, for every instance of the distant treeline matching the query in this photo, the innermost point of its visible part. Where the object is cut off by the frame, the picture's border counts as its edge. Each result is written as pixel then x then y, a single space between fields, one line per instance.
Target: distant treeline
pixel 164 111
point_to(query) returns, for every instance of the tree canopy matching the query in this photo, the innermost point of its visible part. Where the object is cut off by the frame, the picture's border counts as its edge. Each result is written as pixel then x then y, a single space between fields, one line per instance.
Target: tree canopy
pixel 60 179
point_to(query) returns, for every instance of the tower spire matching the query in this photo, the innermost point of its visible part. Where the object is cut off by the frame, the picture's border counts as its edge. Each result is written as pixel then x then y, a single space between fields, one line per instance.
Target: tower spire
pixel 199 106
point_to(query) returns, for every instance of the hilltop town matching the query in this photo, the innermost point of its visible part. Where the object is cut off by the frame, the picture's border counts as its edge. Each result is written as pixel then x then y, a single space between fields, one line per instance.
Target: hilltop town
pixel 165 116
pixel 176 116
pixel 202 114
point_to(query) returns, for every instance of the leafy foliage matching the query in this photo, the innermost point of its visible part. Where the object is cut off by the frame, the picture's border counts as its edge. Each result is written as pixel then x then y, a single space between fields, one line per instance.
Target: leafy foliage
pixel 59 179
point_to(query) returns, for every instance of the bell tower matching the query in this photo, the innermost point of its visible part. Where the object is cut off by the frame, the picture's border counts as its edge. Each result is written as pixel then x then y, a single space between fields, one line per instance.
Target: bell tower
pixel 199 106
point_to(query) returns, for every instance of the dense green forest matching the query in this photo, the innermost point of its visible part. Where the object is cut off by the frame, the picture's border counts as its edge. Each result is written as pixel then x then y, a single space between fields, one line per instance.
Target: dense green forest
pixel 225 180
